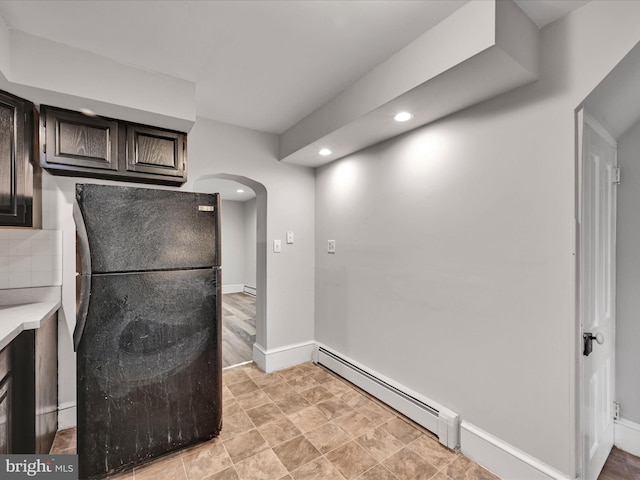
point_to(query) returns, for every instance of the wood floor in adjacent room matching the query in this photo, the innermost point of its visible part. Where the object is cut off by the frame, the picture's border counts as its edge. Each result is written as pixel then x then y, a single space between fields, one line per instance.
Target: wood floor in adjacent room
pixel 238 328
pixel 621 466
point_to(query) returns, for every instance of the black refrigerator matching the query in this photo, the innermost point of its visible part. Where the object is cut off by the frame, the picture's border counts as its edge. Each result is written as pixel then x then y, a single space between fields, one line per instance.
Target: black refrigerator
pixel 148 330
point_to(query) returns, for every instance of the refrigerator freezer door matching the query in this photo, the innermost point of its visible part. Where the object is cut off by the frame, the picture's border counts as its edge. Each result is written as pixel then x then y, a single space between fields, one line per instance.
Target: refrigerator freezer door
pixel 148 367
pixel 139 229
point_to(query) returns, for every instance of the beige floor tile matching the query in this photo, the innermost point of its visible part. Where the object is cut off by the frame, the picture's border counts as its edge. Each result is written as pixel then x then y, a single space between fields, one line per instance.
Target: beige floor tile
pixel 318 469
pixel 316 394
pixel 309 367
pixel 234 425
pixel 243 387
pixel 206 460
pixel 351 460
pixel 302 383
pixel 354 423
pixel 253 399
pixel 296 452
pixel 376 413
pixel 401 430
pixel 291 373
pixel 408 465
pixel 253 371
pixel 265 414
pixel 337 387
pixel 432 451
pixel 245 445
pixel 351 397
pixel 278 432
pixel 379 443
pixel 321 376
pixel 308 419
pixel 171 469
pixel 234 375
pixel 291 403
pixel 440 476
pixel 268 380
pixel 231 407
pixel 461 468
pixel 278 391
pixel 328 437
pixel 334 408
pixel 379 472
pixel 226 393
pixel 226 474
pixel 262 466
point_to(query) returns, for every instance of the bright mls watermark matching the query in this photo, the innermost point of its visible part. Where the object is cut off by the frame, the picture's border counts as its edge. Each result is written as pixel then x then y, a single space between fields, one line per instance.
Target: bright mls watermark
pixel 39 467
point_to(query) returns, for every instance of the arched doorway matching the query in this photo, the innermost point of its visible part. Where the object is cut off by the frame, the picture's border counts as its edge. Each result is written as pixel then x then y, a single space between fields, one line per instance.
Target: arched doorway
pixel 223 182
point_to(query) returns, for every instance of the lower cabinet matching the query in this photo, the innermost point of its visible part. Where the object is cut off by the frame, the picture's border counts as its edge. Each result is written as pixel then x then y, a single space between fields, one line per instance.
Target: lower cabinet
pixel 5 402
pixel 29 390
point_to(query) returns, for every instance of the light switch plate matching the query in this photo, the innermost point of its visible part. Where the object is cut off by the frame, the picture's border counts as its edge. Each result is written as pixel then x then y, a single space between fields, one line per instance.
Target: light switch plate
pixel 289 238
pixel 277 246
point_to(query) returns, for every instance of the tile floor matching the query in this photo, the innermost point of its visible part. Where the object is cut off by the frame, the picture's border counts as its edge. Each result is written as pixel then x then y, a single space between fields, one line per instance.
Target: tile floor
pixel 304 423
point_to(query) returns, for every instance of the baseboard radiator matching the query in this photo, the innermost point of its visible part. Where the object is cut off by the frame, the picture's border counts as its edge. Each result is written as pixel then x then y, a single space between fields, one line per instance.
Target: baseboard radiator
pixel 432 416
pixel 249 290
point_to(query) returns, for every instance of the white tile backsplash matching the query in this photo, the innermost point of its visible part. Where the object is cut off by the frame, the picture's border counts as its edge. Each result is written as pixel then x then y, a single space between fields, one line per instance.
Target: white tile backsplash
pixel 30 258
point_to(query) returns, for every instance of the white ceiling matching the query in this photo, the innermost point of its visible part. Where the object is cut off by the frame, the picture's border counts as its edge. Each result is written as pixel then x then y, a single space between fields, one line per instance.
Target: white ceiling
pixel 261 64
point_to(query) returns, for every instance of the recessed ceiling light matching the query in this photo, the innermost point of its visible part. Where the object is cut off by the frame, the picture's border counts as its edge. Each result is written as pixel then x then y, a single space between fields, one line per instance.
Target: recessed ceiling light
pixel 324 152
pixel 239 190
pixel 402 117
pixel 88 112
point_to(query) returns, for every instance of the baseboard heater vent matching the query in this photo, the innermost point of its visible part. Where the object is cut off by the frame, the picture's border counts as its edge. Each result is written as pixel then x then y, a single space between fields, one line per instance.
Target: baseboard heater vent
pixel 249 290
pixel 432 416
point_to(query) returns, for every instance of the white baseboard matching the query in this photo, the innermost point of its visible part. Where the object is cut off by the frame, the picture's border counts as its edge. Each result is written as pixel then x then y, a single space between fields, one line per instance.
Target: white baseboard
pixel 67 415
pixel 233 288
pixel 283 357
pixel 627 436
pixel 250 290
pixel 502 459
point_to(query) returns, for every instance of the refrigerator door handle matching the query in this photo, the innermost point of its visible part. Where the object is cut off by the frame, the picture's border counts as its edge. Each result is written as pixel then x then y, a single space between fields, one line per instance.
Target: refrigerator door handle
pixel 82 308
pixel 83 285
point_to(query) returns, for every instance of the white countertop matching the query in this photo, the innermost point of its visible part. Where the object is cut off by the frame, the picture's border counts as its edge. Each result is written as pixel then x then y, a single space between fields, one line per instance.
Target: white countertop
pixel 26 315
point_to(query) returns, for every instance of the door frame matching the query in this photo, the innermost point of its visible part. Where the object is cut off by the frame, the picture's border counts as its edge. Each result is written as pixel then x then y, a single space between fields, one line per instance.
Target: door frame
pixel 579 398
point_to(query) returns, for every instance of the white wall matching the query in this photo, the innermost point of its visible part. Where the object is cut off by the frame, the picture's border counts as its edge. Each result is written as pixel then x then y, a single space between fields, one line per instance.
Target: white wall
pixel 213 148
pixel 628 277
pixel 238 244
pixel 250 219
pixel 233 243
pixel 455 266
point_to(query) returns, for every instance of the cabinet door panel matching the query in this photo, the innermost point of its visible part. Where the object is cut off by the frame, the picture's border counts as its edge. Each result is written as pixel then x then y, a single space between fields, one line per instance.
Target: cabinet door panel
pixel 78 140
pixel 15 155
pixel 46 392
pixel 7 160
pixel 155 151
pixel 5 401
pixel 5 417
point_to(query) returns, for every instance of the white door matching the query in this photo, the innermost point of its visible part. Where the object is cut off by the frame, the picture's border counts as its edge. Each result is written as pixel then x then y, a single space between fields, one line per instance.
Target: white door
pixel 597 291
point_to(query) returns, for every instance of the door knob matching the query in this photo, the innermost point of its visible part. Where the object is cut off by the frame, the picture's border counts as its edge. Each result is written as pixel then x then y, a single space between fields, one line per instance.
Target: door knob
pixel 587 339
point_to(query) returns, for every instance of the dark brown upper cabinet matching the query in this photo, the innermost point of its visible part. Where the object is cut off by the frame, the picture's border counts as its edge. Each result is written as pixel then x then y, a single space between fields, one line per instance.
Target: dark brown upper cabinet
pixel 75 144
pixel 18 181
pixel 150 150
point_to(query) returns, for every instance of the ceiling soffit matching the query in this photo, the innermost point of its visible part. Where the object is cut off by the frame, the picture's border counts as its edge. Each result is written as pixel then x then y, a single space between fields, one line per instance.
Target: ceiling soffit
pixel 482 50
